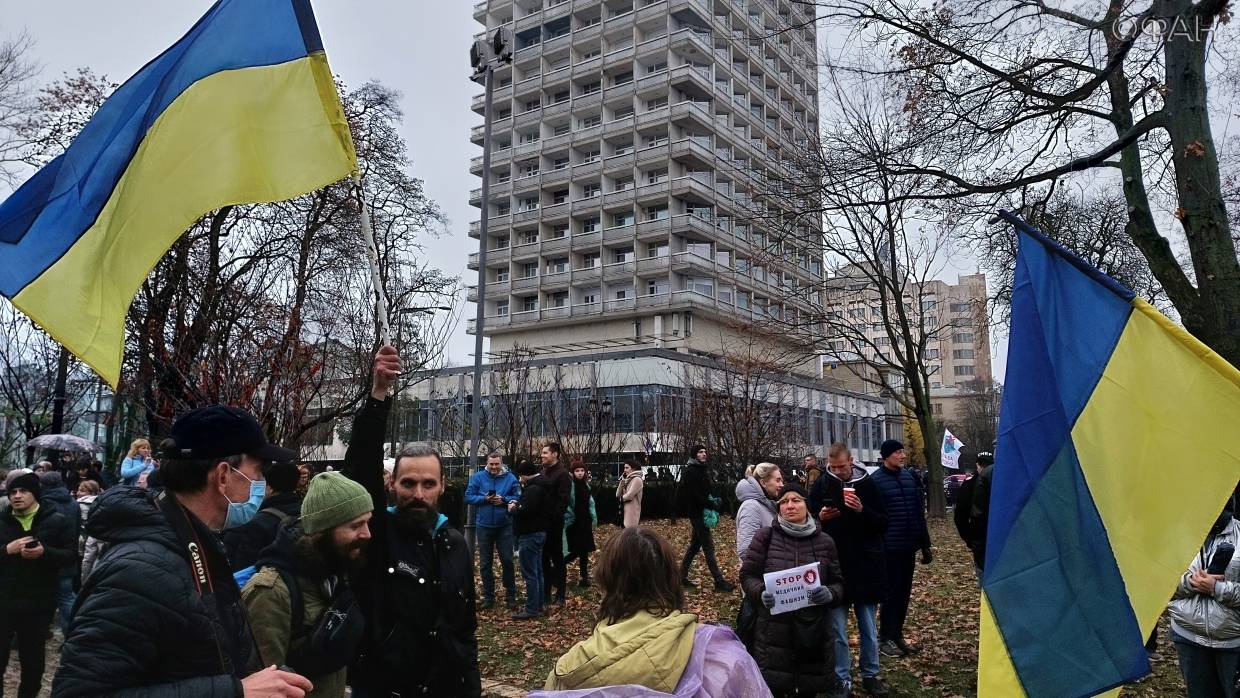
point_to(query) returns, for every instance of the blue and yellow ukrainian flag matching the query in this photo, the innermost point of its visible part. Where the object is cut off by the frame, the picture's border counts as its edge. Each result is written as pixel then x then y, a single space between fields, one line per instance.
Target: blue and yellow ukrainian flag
pixel 243 109
pixel 1116 452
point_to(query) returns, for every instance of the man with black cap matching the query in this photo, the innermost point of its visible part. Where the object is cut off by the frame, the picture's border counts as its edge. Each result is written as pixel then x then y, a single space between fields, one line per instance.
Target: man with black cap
pixel 160 611
pixel 280 504
pixel 38 542
pixel 906 534
pixel 973 510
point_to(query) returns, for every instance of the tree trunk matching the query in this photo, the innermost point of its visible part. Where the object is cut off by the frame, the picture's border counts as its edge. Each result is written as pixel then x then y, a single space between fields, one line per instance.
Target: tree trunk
pixel 935 504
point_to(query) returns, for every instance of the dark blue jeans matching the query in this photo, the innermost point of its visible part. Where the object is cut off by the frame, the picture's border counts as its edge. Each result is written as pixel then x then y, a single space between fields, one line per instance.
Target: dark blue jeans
pixel 1208 672
pixel 488 540
pixel 65 596
pixel 530 547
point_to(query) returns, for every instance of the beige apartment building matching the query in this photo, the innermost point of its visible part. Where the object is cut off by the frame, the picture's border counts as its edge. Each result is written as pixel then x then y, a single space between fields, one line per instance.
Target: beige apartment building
pixel 631 142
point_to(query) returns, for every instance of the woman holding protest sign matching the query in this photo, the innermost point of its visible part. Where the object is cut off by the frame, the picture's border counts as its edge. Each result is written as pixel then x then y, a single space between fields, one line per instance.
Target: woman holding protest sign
pixel 792 573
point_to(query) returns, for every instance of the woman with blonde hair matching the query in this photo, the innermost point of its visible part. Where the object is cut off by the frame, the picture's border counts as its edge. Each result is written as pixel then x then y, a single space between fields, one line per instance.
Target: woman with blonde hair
pixel 137 464
pixel 644 646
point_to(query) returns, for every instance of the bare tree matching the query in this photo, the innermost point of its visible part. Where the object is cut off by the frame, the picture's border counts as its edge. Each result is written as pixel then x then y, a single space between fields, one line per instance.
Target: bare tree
pixel 28 362
pixel 17 73
pixel 1012 98
pixel 977 421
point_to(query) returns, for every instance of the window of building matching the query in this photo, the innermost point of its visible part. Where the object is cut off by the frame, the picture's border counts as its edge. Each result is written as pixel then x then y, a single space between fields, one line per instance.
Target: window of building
pixel 657 287
pixel 657 249
pixel 559 163
pixel 529 237
pixel 503 113
pixel 656 140
pixel 562 129
pixel 501 242
pixel 560 97
pixel 590 121
pixel 589 296
pixel 529 304
pixel 529 270
pixel 501 275
pixel 960 307
pixel 624 112
pixel 932 353
pixel 592 88
pixel 725 294
pixel 597 50
pixel 622 219
pixel 656 67
pixel 528 137
pixel 656 103
pixel 656 213
pixel 624 183
pixel 656 176
pixel 531 105
pixel 589 190
pixel 742 300
pixel 623 78
pixel 559 230
pixel 528 203
pixel 559 299
pixel 622 254
pixel 558 265
pixel 589 156
pixel 528 169
pixel 501 307
pixel 699 248
pixel 703 286
pixel 502 209
pixel 624 148
pixel 966 370
pixel 559 196
pixel 962 354
pixel 623 293
pixel 590 260
pixel 962 338
pixel 590 225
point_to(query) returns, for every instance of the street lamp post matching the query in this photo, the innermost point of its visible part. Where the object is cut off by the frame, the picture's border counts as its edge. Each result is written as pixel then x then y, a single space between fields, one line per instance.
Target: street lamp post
pixel 485 56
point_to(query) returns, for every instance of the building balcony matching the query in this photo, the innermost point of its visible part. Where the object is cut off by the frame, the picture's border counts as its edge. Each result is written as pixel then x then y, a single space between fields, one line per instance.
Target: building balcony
pixel 692 187
pixel 620 233
pixel 586 309
pixel 525 283
pixel 555 312
pixel 559 176
pixel 619 163
pixel 691 263
pixel 587 241
pixel 496 256
pixel 693 44
pixel 498 95
pixel 652 230
pixel 616 198
pixel 701 8
pixel 590 66
pixel 618 271
pixel 494 289
pixel 685 75
pixel 654 153
pixel 525 251
pixel 554 245
pixel 555 281
pixel 587 274
pixel 654 265
pixel 489 323
pixel 687 223
pixel 619 56
pixel 616 305
pixel 651 192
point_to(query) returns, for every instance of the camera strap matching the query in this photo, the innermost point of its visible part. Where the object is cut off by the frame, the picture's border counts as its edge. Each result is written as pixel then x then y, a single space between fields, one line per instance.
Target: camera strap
pixel 187 537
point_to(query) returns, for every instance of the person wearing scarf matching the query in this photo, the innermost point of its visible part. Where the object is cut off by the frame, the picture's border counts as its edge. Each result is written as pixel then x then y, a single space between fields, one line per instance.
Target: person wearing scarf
pixel 792 649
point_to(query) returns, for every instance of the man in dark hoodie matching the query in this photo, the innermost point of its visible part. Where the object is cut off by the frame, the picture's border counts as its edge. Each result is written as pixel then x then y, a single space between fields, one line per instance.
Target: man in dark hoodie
pixel 694 497
pixel 244 543
pixel 38 543
pixel 530 515
pixel 57 496
pixel 160 613
pixel 850 510
pixel 417 588
pixel 560 483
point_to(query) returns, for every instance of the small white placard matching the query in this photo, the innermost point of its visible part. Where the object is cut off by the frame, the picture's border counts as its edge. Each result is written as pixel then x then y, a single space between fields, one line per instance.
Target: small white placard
pixel 791 587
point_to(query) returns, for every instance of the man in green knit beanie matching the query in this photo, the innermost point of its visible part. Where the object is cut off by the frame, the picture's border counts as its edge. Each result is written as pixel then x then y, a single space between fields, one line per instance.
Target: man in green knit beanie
pixel 304 572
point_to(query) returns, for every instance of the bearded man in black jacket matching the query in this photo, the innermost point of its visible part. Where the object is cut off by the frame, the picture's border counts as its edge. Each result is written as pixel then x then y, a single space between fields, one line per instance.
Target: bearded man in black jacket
pixel 417 590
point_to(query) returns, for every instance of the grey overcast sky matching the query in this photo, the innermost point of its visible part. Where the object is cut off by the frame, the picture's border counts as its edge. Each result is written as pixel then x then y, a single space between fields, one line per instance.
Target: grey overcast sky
pixel 419 47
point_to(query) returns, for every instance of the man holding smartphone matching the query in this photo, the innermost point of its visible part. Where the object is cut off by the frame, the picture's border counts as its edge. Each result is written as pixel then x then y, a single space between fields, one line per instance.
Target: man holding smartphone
pixel 490 490
pixel 38 542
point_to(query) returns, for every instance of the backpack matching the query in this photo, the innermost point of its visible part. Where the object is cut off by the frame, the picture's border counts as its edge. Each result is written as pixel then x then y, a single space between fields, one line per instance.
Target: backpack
pixel 333 641
pixel 963 515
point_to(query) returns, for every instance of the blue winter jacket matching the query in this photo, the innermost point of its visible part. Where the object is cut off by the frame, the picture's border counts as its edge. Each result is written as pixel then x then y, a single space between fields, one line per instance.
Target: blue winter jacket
pixel 480 483
pixel 906 520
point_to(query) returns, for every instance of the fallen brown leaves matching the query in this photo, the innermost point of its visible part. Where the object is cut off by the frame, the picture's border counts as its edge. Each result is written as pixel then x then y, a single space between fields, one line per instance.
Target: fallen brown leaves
pixel 943 621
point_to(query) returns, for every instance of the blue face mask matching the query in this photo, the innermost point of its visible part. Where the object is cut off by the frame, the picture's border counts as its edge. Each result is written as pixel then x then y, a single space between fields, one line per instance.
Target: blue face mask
pixel 241 513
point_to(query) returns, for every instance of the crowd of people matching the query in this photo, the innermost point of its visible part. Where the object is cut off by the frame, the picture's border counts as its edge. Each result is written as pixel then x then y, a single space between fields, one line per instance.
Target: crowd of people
pixel 218 567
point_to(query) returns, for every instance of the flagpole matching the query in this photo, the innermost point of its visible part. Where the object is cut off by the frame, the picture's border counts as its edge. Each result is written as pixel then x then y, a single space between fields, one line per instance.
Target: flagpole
pixel 372 255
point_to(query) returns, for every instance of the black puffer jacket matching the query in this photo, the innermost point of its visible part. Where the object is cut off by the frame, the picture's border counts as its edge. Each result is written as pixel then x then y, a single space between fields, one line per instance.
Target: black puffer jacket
pixel 30 585
pixel 244 543
pixel 141 628
pixel 858 536
pixel 58 498
pixel 694 489
pixel 417 591
pixel 793 649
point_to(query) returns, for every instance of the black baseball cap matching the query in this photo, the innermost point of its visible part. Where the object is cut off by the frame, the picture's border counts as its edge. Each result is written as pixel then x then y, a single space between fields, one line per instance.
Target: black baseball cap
pixel 220 431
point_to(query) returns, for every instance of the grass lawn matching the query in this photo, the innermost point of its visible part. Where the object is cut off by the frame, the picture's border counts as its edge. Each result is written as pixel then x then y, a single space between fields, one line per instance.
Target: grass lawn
pixel 942 620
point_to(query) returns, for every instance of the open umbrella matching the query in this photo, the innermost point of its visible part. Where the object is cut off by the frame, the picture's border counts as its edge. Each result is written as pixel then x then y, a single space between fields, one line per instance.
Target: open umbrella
pixel 62 442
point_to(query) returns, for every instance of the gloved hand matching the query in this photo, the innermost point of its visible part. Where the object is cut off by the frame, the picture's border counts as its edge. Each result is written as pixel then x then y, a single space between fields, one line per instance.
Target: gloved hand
pixel 926 556
pixel 820 596
pixel 768 600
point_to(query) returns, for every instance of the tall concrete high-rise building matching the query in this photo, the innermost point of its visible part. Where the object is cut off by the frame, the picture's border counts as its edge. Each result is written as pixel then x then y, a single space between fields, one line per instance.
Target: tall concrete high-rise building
pixel 631 143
